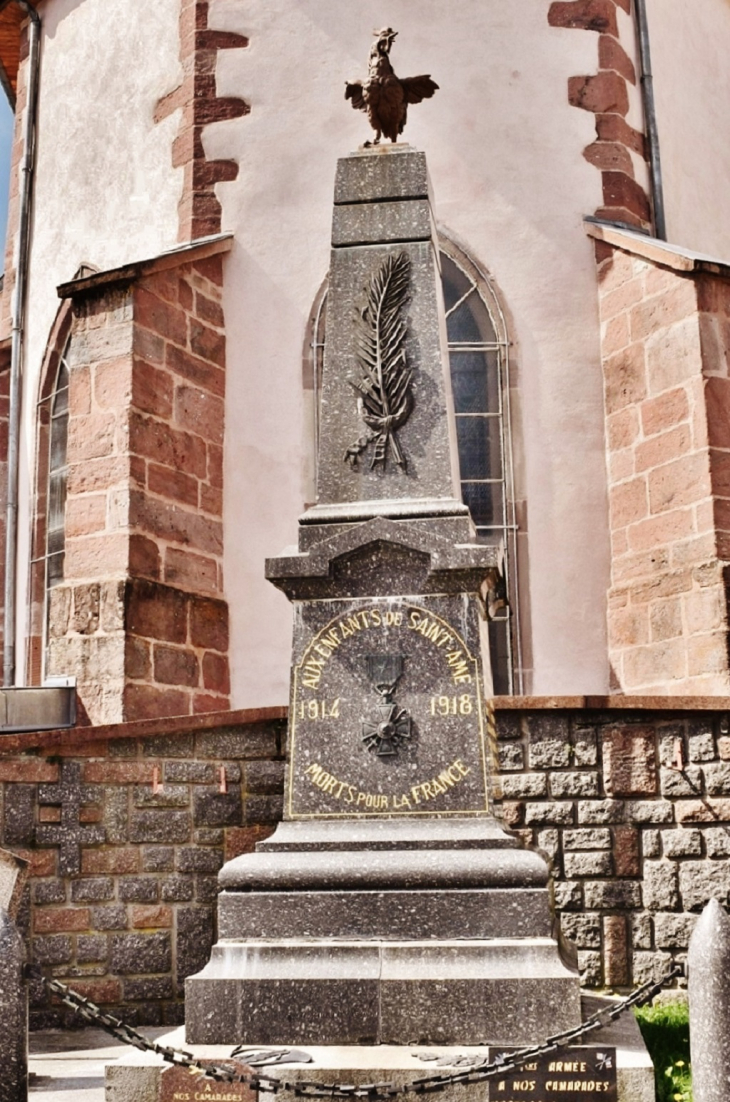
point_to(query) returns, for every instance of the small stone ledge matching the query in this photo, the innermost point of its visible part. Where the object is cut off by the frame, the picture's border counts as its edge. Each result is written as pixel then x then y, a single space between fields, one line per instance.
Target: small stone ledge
pixel 619 702
pixel 657 252
pixel 129 273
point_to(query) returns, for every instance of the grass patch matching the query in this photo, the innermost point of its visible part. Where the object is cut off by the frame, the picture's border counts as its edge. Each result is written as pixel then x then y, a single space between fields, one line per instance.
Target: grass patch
pixel 665 1029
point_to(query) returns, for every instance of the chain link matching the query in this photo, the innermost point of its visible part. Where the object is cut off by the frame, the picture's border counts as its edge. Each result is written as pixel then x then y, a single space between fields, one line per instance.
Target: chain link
pixel 479 1072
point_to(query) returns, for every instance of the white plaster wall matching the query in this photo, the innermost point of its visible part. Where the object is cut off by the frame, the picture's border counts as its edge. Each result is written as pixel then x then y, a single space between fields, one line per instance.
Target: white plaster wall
pixel 105 189
pixel 504 149
pixel 690 49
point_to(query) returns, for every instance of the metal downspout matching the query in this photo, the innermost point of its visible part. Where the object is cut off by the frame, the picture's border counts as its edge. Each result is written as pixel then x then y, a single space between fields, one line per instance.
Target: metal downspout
pixel 647 89
pixel 17 343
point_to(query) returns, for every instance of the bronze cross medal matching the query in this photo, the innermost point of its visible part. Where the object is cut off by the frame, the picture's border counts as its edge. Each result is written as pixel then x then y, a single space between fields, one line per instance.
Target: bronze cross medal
pixel 390 727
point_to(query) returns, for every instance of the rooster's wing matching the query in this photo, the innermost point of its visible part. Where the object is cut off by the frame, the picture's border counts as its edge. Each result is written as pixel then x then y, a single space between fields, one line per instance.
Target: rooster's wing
pixel 354 91
pixel 418 88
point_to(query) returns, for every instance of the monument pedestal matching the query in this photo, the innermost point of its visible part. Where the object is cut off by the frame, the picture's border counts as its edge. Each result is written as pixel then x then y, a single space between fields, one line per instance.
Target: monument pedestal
pixel 389 907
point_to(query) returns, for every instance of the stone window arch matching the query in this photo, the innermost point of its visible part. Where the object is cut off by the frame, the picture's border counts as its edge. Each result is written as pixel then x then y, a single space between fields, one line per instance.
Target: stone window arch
pixel 480 374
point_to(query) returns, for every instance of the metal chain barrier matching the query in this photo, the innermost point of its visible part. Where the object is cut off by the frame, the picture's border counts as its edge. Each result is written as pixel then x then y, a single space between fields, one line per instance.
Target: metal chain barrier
pixel 477 1072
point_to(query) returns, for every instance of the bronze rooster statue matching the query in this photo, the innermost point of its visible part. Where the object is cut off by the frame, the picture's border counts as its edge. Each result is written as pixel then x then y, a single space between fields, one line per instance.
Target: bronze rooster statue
pixel 383 95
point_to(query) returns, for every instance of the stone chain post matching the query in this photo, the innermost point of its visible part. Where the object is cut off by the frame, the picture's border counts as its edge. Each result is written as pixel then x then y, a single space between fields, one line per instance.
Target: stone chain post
pixel 709 1005
pixel 13 1014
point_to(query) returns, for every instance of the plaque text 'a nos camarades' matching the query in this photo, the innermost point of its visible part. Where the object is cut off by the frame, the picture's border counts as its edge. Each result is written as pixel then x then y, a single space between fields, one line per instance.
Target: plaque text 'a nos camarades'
pixel 387 710
pixel 559 1076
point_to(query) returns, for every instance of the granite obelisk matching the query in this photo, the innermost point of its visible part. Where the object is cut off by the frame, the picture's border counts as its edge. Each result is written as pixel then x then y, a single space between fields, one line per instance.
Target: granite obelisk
pixel 389 906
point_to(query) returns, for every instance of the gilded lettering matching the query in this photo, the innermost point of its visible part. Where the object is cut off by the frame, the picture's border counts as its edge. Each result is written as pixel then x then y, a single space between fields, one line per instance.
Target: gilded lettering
pixel 459 667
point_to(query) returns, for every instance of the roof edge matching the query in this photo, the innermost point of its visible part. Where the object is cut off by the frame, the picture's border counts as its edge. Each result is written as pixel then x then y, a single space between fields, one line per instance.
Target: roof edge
pixel 676 257
pixel 127 273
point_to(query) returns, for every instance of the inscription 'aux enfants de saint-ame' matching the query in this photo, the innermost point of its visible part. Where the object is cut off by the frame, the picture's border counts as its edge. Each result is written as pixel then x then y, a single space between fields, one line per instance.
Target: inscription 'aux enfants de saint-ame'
pixel 327 642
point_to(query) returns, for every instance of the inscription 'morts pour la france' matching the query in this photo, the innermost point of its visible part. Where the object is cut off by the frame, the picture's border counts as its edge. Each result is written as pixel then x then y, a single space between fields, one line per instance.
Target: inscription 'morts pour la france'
pixel 387 713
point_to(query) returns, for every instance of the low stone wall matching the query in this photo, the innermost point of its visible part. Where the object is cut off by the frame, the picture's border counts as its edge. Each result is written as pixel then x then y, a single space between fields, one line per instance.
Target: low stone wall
pixel 125 828
pixel 630 802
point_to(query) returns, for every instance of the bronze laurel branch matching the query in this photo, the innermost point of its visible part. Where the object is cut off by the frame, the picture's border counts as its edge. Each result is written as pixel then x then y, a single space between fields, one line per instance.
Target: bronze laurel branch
pixel 385 391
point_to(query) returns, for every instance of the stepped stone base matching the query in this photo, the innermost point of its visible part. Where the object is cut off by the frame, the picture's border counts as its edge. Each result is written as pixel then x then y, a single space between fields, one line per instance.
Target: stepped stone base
pixel 376 992
pixel 141 1078
pixel 405 932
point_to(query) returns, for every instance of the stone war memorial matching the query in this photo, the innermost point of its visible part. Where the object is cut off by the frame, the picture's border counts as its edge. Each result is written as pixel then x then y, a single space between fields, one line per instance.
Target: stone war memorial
pixel 390 909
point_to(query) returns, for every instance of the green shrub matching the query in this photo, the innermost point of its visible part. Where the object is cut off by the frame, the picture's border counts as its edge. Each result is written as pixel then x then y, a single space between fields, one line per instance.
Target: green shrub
pixel 665 1029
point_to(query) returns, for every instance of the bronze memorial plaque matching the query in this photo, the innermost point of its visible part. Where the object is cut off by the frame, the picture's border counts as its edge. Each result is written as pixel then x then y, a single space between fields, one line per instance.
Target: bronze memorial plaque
pixel 179 1084
pixel 578 1072
pixel 387 710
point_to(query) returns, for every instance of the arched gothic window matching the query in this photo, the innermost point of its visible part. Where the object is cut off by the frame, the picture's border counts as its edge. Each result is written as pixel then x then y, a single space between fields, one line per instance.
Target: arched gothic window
pixel 49 533
pixel 479 360
pixel 57 478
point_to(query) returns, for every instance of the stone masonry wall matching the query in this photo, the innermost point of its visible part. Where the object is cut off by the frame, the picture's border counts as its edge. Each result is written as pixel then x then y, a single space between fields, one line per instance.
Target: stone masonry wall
pixel 199 103
pixel 140 617
pixel 665 336
pixel 619 151
pixel 632 808
pixel 126 828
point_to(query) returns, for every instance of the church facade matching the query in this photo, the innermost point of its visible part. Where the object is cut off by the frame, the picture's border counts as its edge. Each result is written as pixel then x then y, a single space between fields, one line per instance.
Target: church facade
pixel 162 329
pixel 174 287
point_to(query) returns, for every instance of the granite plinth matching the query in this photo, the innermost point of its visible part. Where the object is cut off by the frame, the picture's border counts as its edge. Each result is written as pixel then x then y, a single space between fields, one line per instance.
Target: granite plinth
pixel 385 172
pixel 416 870
pixel 442 517
pixel 352 835
pixel 386 915
pixel 374 992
